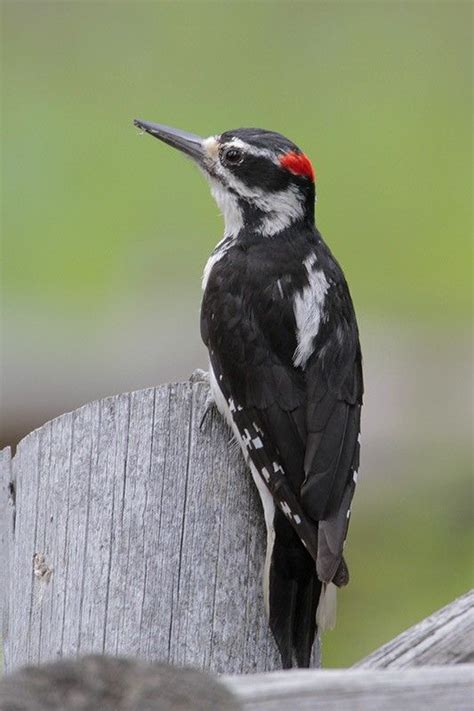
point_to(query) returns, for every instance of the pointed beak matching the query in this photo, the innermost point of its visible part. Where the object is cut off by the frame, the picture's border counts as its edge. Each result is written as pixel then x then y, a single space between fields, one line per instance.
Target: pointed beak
pixel 187 143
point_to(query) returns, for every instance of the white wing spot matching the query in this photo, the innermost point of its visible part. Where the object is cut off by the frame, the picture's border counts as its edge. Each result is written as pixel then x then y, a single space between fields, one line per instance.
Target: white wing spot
pixel 257 428
pixel 257 443
pixel 348 514
pixel 354 477
pixel 308 307
pixel 286 509
pixel 277 468
pixel 265 474
pixel 246 439
pixel 310 261
pixel 297 519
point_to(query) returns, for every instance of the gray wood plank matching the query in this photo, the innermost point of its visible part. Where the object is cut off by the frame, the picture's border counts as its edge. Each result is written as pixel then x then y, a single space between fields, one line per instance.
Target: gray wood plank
pixel 7 524
pixel 137 533
pixel 69 573
pixel 446 637
pixel 23 583
pixel 433 688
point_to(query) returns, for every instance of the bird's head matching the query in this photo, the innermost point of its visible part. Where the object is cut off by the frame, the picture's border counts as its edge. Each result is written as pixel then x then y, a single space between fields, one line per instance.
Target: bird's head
pixel 259 179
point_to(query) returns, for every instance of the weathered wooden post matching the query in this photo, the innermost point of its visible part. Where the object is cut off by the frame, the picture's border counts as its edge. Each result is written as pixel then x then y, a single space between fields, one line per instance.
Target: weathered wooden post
pixel 129 530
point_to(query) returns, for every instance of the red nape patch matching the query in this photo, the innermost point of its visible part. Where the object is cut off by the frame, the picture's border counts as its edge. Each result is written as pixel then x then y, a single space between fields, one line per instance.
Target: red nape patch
pixel 298 163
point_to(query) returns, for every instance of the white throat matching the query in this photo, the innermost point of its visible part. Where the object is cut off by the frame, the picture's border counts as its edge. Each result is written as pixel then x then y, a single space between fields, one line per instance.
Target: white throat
pixel 229 207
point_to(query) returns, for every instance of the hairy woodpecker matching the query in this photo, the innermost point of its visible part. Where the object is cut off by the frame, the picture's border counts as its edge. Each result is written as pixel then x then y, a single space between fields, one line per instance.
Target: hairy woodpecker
pixel 285 367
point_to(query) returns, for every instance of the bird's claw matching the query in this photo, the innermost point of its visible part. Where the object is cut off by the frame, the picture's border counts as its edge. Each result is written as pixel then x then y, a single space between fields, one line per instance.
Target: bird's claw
pixel 208 406
pixel 199 376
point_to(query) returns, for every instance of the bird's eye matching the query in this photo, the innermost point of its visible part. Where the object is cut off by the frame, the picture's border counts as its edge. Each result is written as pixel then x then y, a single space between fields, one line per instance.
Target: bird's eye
pixel 233 156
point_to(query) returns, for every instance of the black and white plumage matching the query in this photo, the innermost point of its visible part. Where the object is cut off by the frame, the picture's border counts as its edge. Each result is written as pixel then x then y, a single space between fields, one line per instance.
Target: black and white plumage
pixel 285 367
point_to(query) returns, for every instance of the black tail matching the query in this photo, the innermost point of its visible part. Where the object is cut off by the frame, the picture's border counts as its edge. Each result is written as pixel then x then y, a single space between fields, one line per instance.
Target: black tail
pixel 294 591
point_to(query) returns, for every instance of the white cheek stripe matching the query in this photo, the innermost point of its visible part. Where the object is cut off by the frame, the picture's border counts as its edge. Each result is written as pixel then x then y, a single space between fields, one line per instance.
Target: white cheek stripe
pixel 308 308
pixel 282 208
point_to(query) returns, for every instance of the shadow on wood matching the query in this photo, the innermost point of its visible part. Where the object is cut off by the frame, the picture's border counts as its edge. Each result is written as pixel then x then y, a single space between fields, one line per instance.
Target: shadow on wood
pixel 130 531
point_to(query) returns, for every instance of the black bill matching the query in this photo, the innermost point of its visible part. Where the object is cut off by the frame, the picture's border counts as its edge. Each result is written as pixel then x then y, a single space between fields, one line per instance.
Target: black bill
pixel 188 143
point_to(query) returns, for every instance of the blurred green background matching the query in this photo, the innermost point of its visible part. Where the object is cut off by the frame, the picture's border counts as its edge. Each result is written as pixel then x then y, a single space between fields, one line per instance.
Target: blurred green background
pixel 105 234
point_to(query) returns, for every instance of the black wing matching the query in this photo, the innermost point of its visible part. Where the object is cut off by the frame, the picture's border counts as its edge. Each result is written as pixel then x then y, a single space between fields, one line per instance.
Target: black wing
pixel 334 399
pixel 265 394
pixel 307 418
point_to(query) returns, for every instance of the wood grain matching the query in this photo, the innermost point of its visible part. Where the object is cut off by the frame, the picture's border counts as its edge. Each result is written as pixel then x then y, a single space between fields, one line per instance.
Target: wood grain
pixel 446 637
pixel 137 533
pixel 7 523
pixel 433 688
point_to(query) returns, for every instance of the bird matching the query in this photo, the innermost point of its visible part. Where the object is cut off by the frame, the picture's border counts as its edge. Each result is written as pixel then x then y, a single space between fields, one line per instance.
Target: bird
pixel 285 367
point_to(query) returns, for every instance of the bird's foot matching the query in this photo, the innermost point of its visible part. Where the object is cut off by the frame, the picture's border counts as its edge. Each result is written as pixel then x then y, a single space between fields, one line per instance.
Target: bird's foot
pixel 209 405
pixel 199 376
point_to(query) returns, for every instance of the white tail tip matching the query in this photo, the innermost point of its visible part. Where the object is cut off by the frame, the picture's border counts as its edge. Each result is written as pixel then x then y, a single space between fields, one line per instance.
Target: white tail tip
pixel 327 608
